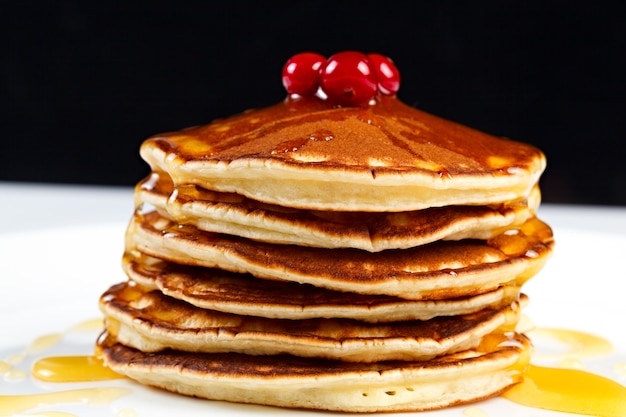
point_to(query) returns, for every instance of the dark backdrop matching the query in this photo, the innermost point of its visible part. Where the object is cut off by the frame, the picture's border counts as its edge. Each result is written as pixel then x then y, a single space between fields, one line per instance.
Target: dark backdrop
pixel 83 83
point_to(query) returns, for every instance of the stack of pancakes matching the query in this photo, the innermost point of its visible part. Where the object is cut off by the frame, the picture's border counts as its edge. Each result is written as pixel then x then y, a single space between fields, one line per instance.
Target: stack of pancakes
pixel 355 259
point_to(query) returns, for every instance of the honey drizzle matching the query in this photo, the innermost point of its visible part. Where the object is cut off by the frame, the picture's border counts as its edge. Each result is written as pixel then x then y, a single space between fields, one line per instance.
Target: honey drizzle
pixel 45 342
pixel 13 404
pixel 72 369
pixel 570 390
pixel 59 369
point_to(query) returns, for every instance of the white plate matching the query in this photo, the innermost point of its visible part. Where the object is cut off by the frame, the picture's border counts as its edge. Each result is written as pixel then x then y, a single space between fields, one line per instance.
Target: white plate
pixel 51 280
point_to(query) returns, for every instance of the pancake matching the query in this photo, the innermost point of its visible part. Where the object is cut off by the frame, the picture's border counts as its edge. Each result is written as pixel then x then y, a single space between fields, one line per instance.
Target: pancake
pixel 237 215
pixel 243 294
pixel 306 153
pixel 150 321
pixel 337 251
pixel 441 270
pixel 293 382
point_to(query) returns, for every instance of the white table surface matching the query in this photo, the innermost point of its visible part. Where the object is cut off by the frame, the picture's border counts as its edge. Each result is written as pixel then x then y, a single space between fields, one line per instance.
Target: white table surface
pixel 26 206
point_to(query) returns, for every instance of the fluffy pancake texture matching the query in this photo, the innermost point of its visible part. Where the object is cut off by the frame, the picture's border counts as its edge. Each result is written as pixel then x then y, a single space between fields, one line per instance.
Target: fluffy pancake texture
pixel 237 215
pixel 385 157
pixel 219 290
pixel 295 382
pixel 307 255
pixel 151 322
pixel 441 270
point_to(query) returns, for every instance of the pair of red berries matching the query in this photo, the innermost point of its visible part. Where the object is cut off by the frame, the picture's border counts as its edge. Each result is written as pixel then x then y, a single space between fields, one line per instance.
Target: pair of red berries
pixel 346 78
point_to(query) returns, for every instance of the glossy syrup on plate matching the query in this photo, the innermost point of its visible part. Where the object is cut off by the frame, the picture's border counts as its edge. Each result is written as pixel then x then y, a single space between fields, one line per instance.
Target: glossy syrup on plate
pixel 567 388
pixel 552 388
pixel 86 368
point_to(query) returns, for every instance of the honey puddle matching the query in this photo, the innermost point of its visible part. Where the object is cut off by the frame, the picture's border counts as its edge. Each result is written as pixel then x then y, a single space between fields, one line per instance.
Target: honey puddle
pixel 72 369
pixel 566 388
pixel 569 391
pixel 59 369
pixel 13 404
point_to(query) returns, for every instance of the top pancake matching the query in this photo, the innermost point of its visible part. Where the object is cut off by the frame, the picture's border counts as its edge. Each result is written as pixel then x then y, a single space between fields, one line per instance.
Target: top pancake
pixel 304 153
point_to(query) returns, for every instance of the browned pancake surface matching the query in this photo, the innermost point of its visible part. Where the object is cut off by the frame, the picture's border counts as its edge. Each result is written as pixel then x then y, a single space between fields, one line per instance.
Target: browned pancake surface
pixel 229 292
pixel 384 157
pixel 237 365
pixel 437 271
pixel 289 381
pixel 152 321
pixel 402 138
pixel 373 231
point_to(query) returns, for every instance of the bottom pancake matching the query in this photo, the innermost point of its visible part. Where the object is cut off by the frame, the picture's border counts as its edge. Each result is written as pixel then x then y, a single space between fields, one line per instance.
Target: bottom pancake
pixel 293 382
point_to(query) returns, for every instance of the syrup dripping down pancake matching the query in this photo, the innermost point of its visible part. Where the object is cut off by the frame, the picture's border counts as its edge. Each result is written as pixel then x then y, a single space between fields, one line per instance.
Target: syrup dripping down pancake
pixel 294 382
pixel 309 155
pixel 243 294
pixel 237 215
pixel 150 321
pixel 356 256
pixel 441 270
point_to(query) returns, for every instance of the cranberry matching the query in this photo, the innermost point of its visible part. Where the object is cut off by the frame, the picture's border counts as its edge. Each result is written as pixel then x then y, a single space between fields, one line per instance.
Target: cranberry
pixel 386 72
pixel 300 73
pixel 348 79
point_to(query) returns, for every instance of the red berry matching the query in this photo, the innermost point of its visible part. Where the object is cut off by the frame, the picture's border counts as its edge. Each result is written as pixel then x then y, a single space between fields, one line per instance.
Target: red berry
pixel 386 72
pixel 300 73
pixel 348 79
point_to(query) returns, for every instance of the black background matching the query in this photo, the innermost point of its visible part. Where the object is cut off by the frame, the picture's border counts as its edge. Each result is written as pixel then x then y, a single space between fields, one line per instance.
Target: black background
pixel 83 83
